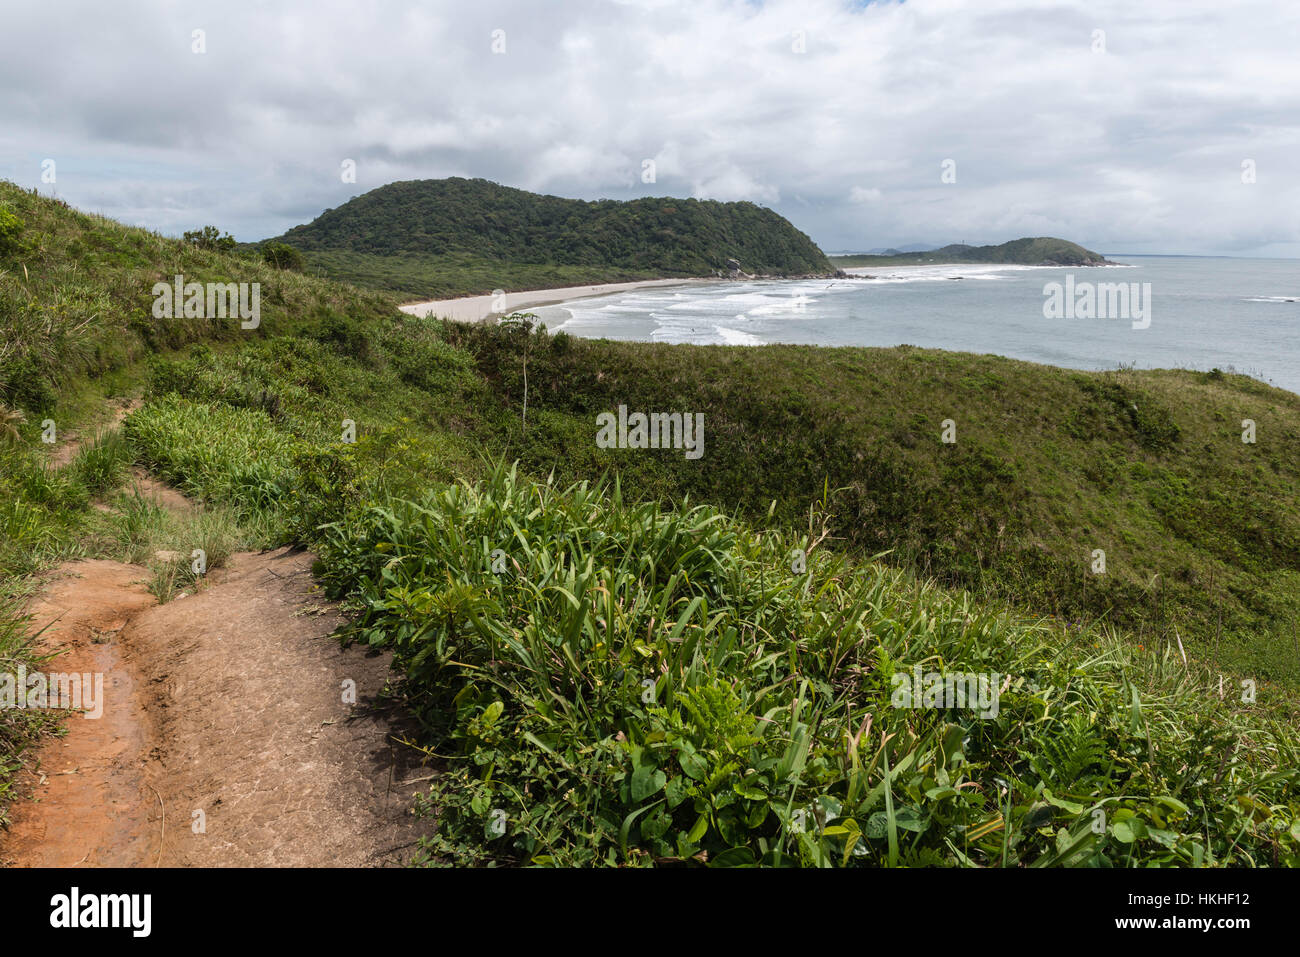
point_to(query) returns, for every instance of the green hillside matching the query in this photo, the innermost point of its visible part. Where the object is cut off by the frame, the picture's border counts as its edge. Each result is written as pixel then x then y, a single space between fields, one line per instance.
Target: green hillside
pixel 768 731
pixel 395 235
pixel 1043 251
pixel 421 276
pixel 1200 530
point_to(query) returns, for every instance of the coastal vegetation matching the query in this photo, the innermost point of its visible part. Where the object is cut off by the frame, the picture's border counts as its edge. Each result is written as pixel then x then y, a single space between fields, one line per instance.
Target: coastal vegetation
pixel 628 657
pixel 428 237
pixel 423 276
pixel 1040 251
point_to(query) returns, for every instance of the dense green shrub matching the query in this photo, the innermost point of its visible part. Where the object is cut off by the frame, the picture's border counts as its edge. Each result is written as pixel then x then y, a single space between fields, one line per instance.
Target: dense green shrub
pixel 11 228
pixel 615 684
pixel 424 359
pixel 209 237
pixel 27 384
pixel 282 256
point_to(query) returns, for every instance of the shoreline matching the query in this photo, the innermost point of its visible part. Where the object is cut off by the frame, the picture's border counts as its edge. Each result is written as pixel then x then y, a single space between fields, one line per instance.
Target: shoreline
pixel 478 308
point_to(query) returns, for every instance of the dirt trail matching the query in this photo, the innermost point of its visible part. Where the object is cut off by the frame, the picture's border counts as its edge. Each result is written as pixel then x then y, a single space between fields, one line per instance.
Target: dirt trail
pixel 230 703
pixel 89 782
pixel 72 441
pixel 254 732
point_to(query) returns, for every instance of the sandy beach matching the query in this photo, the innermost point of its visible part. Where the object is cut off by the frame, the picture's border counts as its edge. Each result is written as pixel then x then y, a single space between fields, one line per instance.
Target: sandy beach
pixel 474 308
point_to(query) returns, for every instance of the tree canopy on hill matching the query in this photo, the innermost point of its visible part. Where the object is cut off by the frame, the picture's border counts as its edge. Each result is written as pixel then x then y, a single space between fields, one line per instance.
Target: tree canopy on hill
pixel 666 236
pixel 1039 251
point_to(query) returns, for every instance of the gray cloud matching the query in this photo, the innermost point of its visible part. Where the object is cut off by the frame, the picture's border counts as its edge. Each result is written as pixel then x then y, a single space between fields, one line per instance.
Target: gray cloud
pixel 836 114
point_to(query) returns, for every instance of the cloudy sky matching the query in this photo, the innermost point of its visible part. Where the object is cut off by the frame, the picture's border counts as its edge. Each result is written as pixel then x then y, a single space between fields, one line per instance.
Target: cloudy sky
pixel 1126 126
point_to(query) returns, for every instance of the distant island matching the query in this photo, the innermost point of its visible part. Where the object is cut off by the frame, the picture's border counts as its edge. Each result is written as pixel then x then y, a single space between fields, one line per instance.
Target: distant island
pixel 455 236
pixel 1040 251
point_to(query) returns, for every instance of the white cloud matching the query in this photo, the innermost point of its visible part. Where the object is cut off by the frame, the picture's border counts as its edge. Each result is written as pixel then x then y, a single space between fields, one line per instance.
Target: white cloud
pixel 733 184
pixel 1135 149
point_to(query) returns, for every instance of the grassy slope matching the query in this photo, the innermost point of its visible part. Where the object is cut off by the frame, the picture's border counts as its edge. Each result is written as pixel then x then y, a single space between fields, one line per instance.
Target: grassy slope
pixel 634 685
pixel 416 276
pixel 1200 530
pixel 76 331
pixel 76 298
pixel 1048 465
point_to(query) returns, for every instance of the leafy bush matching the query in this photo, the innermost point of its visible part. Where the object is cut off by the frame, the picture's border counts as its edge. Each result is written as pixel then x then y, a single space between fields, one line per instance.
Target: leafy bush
pixel 282 256
pixel 26 383
pixel 424 359
pixel 209 237
pixel 10 229
pixel 326 487
pixel 348 335
pixel 620 685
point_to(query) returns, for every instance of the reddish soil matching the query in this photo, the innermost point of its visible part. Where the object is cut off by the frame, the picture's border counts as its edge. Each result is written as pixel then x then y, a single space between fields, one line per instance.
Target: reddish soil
pixel 87 784
pixel 228 702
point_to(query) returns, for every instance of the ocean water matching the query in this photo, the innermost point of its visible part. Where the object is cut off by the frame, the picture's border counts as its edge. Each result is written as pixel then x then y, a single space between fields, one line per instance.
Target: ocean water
pixel 1238 315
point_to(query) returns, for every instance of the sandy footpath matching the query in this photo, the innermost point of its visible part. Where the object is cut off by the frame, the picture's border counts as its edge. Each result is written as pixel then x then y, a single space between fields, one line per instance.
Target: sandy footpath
pixel 474 308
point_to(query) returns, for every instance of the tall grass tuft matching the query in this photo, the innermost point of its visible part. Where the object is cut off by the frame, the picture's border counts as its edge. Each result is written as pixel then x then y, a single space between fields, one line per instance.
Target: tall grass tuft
pixel 101 465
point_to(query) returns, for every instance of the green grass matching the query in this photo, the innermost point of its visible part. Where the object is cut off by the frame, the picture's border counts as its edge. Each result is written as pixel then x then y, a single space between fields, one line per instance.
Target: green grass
pixel 101 465
pixel 973 556
pixel 216 453
pixel 423 276
pixel 19 728
pixel 615 684
pixel 40 509
pixel 76 299
pixel 1200 531
pixel 140 530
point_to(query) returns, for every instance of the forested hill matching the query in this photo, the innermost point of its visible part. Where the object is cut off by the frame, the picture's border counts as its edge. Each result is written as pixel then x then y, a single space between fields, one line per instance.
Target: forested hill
pixel 1037 251
pixel 440 217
